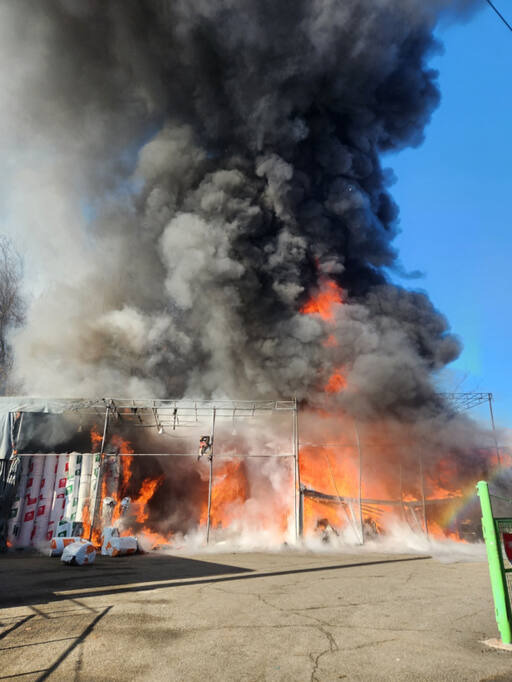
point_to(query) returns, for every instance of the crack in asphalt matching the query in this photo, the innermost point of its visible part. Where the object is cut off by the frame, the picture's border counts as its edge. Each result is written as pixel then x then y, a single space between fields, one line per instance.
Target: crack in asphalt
pixel 333 646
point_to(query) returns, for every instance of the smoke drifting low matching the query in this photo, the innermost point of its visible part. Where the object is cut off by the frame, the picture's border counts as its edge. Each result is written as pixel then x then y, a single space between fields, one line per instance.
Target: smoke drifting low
pixel 190 174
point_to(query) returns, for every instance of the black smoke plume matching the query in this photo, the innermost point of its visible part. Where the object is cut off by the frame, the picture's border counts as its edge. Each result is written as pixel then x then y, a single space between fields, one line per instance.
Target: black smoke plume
pixel 190 173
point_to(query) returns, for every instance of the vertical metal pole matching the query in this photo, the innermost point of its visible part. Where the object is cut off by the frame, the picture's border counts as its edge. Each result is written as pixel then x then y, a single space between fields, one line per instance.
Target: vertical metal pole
pixel 360 490
pixel 97 497
pixel 301 511
pixel 425 522
pixel 210 480
pixel 489 396
pixel 498 580
pixel 402 494
pixel 298 516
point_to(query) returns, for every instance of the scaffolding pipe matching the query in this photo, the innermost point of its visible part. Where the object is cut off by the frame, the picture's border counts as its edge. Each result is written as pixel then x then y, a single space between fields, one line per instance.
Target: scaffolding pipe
pixel 424 506
pixel 402 494
pixel 489 397
pixel 210 479
pixel 360 482
pixel 97 496
pixel 297 513
pixel 301 511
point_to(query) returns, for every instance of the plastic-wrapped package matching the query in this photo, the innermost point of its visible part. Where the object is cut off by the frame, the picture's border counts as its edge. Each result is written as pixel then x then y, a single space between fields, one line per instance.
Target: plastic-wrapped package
pixel 95 476
pixel 74 473
pixel 84 489
pixel 79 553
pixel 16 513
pixel 45 501
pixel 116 546
pixel 35 473
pixel 108 533
pixel 57 545
pixel 107 510
pixel 59 498
pixel 64 529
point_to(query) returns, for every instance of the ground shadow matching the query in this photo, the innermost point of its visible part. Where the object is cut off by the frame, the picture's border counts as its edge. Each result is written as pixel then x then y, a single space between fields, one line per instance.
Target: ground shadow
pixel 42 580
pixel 37 579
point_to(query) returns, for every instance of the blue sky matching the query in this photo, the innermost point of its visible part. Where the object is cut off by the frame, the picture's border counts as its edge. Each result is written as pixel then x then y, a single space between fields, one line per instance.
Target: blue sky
pixel 454 193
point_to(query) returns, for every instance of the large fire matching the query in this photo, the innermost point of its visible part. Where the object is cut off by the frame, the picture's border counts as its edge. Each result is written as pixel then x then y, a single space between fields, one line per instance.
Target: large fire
pixel 357 480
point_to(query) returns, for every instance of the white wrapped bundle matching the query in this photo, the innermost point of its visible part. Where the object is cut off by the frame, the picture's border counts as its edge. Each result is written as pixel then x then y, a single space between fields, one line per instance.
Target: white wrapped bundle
pixel 79 553
pixel 108 533
pixel 111 477
pixel 45 500
pixel 16 514
pixel 108 506
pixel 96 468
pixel 117 546
pixel 64 528
pixel 57 545
pixel 59 498
pixel 31 498
pixel 96 465
pixel 125 503
pixel 73 486
pixel 84 488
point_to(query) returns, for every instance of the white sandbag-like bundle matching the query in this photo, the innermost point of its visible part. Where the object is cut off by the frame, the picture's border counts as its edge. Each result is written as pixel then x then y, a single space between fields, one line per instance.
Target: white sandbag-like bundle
pixel 58 545
pixel 108 533
pixel 108 506
pixel 79 554
pixel 116 546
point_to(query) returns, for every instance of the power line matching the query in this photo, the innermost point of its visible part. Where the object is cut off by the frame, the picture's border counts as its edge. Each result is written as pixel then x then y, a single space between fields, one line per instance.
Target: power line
pixel 500 15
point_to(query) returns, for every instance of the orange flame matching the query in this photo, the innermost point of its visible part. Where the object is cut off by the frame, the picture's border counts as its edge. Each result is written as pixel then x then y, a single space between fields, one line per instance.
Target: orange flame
pixel 325 301
pixel 96 439
pixel 336 383
pixel 230 486
pixel 146 492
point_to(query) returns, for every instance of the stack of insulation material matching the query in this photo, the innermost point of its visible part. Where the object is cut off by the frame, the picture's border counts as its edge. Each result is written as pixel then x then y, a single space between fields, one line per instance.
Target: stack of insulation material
pixel 51 496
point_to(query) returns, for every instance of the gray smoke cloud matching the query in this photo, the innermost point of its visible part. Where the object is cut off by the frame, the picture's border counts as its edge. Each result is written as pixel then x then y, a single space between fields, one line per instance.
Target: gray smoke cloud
pixel 185 176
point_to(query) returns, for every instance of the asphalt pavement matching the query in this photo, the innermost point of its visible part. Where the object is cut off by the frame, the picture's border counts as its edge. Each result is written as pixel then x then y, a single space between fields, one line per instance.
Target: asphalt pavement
pixel 291 615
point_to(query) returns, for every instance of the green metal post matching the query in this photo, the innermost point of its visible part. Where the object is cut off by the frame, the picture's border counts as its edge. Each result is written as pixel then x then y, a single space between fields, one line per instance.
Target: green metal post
pixel 495 566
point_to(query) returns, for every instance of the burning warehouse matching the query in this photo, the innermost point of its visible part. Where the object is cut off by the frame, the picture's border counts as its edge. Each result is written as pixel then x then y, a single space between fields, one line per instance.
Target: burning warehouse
pixel 145 468
pixel 222 228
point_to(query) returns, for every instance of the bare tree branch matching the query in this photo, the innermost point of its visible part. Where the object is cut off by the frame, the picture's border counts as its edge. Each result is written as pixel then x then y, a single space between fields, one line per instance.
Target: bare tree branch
pixel 12 306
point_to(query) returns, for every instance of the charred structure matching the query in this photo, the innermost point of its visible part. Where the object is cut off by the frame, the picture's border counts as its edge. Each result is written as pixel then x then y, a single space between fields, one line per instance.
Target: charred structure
pixel 144 467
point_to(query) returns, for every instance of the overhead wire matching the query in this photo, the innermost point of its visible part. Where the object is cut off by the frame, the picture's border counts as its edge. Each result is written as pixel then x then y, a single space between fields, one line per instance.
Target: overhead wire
pixel 499 14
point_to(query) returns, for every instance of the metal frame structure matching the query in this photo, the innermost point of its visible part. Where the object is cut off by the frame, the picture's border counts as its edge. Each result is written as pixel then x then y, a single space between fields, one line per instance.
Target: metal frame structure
pixel 164 415
pixel 460 402
pixel 466 401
